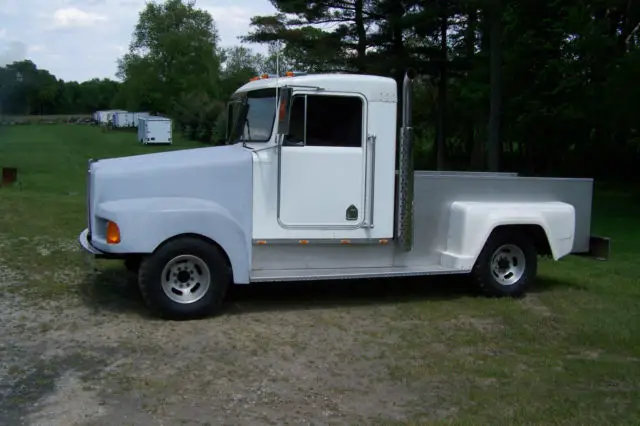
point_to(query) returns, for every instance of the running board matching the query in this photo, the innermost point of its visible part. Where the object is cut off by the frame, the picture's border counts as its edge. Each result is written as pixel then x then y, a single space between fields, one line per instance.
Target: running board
pixel 265 275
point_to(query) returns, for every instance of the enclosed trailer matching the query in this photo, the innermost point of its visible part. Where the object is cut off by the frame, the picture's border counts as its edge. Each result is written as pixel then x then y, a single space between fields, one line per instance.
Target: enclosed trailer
pixel 307 189
pixel 110 114
pixel 140 129
pixel 137 116
pixel 105 117
pixel 154 130
pixel 98 116
pixel 122 119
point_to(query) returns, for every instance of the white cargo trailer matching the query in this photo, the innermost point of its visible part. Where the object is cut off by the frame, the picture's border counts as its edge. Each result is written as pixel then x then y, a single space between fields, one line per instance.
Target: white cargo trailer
pixel 122 119
pixel 110 115
pixel 137 116
pixel 307 189
pixel 154 130
pixel 142 128
pixel 98 116
pixel 105 117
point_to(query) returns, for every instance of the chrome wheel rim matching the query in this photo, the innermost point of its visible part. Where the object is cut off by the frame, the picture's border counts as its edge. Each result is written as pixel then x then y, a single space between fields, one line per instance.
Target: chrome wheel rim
pixel 186 279
pixel 508 264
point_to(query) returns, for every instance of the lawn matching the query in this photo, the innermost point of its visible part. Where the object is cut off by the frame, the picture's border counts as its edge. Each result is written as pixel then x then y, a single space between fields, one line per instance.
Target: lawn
pixel 402 352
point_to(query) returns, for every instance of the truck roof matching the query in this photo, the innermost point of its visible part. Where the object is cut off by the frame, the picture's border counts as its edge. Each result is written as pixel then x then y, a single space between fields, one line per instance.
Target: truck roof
pixel 374 88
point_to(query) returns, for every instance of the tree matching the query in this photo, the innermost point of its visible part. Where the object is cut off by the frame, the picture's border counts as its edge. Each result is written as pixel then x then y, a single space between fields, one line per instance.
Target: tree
pixel 562 101
pixel 173 52
pixel 173 64
pixel 37 91
pixel 320 35
pixel 239 65
pixel 494 16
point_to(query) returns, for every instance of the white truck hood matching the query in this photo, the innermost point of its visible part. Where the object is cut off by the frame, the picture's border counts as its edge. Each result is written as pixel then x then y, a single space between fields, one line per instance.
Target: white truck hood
pixel 170 160
pixel 211 173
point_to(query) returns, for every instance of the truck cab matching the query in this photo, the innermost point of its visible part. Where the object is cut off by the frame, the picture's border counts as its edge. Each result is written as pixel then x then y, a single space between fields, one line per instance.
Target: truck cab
pixel 308 189
pixel 335 166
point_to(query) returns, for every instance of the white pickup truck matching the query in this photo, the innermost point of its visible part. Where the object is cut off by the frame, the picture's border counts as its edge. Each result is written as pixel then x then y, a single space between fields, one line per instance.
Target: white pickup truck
pixel 307 188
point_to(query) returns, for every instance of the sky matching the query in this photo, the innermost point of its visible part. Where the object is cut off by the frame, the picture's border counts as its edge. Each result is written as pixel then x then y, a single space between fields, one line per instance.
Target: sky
pixel 82 39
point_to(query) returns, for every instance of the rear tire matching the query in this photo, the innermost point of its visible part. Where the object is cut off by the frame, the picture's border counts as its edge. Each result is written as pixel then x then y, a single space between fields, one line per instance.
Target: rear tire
pixel 184 279
pixel 507 264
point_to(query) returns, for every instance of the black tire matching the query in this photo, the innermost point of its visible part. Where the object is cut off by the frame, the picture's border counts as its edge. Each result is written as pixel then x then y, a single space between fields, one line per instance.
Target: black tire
pixel 483 271
pixel 150 279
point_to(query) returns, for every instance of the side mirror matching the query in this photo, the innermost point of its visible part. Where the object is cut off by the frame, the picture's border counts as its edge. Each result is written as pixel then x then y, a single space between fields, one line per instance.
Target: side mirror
pixel 284 110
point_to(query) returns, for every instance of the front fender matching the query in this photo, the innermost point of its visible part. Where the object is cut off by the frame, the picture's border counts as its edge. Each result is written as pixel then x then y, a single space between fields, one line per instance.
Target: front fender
pixel 471 224
pixel 145 223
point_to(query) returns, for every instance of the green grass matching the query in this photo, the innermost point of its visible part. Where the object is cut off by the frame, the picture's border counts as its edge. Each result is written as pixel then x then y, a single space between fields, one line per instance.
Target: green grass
pixel 45 209
pixel 569 353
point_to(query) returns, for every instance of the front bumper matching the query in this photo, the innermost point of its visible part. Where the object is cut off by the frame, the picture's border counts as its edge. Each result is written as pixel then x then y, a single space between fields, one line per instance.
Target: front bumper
pixel 86 244
pixel 83 238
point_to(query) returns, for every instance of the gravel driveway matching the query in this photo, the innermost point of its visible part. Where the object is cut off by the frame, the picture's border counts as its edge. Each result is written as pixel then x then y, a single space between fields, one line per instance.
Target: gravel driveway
pixel 295 354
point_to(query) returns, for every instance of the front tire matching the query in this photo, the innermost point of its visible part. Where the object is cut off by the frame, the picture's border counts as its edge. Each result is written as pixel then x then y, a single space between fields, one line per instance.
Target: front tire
pixel 184 279
pixel 507 265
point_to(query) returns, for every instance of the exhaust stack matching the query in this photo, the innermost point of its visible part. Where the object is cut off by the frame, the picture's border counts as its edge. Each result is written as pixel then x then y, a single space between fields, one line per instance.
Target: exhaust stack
pixel 404 194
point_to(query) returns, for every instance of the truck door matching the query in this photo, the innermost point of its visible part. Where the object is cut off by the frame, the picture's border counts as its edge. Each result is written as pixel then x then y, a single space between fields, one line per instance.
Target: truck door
pixel 322 162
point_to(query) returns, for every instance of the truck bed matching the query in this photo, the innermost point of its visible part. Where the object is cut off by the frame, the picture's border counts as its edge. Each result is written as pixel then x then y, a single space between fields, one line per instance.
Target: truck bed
pixel 435 191
pixel 433 194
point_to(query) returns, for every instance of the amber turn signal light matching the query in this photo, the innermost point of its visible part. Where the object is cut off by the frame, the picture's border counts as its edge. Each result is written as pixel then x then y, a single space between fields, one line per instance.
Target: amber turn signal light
pixel 113 233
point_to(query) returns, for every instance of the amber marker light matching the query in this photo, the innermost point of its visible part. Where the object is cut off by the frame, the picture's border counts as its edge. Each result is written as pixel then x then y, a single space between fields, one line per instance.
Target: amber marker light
pixel 113 233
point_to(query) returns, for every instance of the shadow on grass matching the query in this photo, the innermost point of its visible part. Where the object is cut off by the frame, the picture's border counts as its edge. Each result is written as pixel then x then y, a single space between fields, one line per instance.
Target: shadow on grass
pixel 546 284
pixel 264 297
pixel 116 290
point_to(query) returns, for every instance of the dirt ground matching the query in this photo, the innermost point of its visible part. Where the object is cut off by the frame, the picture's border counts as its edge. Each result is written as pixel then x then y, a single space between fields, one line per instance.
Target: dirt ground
pixel 297 354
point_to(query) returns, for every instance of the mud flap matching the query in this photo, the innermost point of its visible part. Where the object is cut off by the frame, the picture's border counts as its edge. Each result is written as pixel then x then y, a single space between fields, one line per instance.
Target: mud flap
pixel 599 248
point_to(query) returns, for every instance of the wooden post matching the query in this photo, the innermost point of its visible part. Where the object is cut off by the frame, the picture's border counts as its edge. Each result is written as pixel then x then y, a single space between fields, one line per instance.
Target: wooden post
pixel 9 175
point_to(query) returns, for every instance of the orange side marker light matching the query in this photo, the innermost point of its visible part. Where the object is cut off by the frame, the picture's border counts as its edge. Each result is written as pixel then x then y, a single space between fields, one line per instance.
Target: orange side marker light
pixel 113 233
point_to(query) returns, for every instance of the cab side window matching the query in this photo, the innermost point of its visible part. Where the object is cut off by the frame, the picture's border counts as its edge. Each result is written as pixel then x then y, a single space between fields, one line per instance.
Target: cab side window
pixel 326 120
pixel 296 134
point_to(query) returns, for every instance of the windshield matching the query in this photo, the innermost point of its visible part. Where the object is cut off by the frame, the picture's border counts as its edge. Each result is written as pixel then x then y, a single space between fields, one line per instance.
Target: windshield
pixel 260 114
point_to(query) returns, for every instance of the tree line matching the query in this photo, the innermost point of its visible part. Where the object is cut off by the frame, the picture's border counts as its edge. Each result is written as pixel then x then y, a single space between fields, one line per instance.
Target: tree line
pixel 27 90
pixel 523 85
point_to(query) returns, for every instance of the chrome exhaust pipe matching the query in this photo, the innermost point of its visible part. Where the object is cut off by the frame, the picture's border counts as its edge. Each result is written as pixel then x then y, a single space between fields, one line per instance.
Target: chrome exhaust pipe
pixel 404 194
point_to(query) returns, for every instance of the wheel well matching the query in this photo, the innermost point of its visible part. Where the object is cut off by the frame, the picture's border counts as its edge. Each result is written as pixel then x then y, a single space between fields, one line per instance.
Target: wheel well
pixel 203 238
pixel 534 232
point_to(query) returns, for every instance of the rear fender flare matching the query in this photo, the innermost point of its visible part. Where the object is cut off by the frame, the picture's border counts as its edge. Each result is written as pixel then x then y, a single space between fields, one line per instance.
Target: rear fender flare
pixel 472 223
